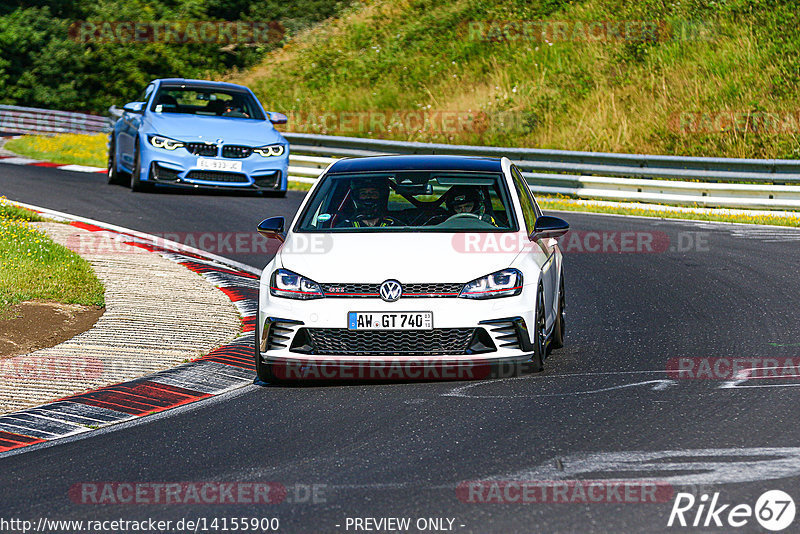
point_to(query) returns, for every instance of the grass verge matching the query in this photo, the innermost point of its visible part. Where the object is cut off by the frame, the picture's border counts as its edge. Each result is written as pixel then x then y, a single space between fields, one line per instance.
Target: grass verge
pixel 714 78
pixel 32 266
pixel 69 149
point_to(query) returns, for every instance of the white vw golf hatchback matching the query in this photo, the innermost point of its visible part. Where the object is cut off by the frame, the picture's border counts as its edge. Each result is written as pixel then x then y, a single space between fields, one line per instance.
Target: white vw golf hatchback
pixel 411 267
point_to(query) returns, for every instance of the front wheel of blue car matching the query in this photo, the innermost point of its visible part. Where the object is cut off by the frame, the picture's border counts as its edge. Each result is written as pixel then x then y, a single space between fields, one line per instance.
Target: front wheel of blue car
pixel 136 182
pixel 114 176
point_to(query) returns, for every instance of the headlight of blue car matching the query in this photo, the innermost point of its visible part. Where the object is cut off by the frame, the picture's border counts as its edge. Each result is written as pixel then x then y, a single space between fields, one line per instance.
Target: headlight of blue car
pixel 160 141
pixel 270 150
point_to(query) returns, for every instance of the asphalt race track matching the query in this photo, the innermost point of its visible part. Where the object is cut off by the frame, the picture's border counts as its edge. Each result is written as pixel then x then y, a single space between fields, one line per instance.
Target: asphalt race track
pixel 604 408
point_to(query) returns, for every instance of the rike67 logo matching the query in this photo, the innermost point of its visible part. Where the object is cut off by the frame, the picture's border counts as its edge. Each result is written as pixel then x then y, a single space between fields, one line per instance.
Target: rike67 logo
pixel 774 510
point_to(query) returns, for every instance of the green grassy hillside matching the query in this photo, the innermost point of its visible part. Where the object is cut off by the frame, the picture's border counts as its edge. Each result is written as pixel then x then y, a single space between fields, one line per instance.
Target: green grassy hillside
pixel 702 78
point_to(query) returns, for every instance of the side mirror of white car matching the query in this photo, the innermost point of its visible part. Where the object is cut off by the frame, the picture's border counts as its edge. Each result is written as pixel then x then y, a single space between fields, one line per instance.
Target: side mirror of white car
pixel 272 228
pixel 549 227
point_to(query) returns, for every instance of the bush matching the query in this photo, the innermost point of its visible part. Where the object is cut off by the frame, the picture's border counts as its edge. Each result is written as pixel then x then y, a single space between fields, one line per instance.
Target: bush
pixel 41 66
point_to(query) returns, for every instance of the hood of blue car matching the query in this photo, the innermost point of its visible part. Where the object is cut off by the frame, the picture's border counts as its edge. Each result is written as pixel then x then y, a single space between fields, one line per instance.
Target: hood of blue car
pixel 184 127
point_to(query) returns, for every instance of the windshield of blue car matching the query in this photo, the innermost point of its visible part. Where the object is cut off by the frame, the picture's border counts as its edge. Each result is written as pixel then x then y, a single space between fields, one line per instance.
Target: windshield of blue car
pixel 406 201
pixel 206 102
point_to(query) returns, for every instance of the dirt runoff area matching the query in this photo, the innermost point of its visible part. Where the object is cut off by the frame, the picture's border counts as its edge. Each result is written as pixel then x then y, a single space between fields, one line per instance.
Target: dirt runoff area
pixel 35 325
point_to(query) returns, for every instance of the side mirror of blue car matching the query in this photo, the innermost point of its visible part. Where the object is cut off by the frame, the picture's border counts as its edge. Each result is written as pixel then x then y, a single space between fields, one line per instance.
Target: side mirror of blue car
pixel 134 107
pixel 277 118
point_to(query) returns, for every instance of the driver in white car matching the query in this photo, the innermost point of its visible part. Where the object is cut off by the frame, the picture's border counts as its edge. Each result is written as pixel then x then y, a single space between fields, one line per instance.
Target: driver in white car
pixel 465 199
pixel 370 198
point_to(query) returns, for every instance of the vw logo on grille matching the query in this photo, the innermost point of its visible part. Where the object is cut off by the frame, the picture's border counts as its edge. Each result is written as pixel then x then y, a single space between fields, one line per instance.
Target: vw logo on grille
pixel 391 290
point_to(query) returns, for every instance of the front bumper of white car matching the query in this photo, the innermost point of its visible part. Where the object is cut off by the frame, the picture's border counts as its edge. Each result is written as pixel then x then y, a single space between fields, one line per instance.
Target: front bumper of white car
pixel 468 336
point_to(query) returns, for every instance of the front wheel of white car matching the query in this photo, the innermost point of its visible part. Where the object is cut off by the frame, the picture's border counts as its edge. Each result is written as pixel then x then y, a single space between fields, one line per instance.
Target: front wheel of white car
pixel 263 369
pixel 539 333
pixel 558 331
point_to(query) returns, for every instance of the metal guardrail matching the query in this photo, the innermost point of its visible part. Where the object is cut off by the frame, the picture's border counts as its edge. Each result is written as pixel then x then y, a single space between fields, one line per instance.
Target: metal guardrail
pixel 710 182
pixel 21 120
pixel 535 159
pixel 703 181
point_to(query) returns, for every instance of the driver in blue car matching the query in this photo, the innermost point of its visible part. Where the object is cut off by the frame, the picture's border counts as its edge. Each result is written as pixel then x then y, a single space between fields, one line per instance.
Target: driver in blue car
pixel 371 201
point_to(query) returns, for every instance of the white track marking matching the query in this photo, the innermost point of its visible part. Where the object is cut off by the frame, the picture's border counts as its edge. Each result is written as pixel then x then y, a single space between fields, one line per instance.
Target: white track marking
pixel 462 391
pixel 705 466
pixel 744 376
pixel 80 168
pixel 20 161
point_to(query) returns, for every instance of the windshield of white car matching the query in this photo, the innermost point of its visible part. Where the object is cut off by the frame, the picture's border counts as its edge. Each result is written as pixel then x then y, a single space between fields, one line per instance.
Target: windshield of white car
pixel 204 101
pixel 409 201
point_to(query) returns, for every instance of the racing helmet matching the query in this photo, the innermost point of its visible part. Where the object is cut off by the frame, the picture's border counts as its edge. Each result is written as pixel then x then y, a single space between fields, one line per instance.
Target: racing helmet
pixel 370 205
pixel 461 195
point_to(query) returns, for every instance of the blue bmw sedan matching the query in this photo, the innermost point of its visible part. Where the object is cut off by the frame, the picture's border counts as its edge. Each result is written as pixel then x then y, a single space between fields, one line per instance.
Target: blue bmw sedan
pixel 198 134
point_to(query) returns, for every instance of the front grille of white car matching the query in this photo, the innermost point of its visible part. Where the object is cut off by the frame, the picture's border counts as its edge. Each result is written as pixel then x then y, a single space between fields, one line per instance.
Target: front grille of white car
pixel 324 341
pixel 345 290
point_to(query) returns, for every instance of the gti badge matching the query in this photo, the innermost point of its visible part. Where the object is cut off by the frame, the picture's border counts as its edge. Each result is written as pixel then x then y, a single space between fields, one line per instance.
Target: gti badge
pixel 391 290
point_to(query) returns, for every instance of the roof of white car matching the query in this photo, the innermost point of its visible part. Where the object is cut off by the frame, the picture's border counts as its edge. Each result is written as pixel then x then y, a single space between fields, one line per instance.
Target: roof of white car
pixel 417 163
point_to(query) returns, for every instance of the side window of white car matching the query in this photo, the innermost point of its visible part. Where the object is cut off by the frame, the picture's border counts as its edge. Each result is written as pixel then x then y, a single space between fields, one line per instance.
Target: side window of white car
pixel 528 207
pixel 518 175
pixel 536 206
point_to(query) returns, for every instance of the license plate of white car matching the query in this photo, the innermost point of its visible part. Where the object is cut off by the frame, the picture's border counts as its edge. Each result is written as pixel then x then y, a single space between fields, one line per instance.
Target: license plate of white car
pixel 209 164
pixel 390 320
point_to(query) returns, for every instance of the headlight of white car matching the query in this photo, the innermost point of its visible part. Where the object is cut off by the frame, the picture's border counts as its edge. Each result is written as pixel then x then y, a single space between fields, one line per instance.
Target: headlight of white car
pixel 505 283
pixel 270 150
pixel 293 286
pixel 159 141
